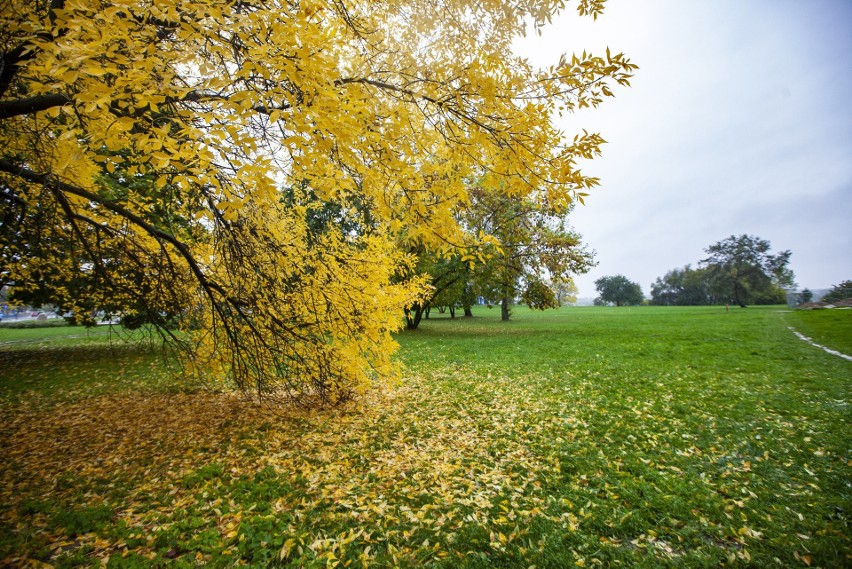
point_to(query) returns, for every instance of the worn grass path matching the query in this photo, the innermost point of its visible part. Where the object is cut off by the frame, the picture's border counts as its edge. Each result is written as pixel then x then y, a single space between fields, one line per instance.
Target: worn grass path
pixel 644 437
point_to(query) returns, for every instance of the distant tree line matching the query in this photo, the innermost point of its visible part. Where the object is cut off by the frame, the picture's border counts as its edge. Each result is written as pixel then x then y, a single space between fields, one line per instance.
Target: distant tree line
pixel 738 270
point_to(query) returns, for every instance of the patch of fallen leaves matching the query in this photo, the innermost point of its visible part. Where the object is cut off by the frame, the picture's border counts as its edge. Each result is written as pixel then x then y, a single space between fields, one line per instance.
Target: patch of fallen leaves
pixel 455 466
pixel 396 465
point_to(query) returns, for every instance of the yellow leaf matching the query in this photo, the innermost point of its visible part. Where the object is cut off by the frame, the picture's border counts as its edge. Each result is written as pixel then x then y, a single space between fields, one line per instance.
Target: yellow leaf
pixel 286 549
pixel 124 123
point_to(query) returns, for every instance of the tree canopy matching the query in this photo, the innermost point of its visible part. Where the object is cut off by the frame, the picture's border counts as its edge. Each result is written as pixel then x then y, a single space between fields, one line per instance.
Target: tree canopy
pixel 259 172
pixel 838 292
pixel 743 271
pixel 533 241
pixel 618 290
pixel 682 287
pixel 739 269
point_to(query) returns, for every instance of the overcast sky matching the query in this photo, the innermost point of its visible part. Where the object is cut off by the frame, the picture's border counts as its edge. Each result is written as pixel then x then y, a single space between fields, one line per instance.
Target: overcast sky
pixel 739 120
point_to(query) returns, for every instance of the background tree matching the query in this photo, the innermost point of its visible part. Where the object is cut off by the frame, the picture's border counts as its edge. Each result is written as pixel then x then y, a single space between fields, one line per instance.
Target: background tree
pixel 682 287
pixel 532 240
pixel 741 269
pixel 538 296
pixel 806 296
pixel 618 290
pixel 234 125
pixel 526 240
pixel 449 285
pixel 839 292
pixel 565 290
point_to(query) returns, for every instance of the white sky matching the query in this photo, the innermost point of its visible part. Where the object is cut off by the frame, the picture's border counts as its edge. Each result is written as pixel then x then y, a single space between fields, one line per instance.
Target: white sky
pixel 739 121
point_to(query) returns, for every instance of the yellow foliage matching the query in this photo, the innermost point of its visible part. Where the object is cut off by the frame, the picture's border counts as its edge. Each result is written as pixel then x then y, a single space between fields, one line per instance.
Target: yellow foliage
pixel 156 139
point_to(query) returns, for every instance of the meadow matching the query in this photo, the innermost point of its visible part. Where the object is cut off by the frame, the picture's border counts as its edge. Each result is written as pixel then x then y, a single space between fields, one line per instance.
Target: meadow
pixel 583 437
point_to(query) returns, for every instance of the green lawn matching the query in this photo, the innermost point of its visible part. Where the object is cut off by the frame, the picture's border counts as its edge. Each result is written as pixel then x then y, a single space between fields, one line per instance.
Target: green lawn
pixel 830 328
pixel 72 362
pixel 635 437
pixel 48 334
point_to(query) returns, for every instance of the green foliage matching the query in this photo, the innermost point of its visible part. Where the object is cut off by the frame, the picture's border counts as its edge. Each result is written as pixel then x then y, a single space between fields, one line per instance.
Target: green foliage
pixel 529 241
pixel 741 269
pixel 202 475
pixel 539 296
pixel 618 290
pixel 683 287
pixel 839 292
pixel 83 520
pixel 451 285
pixel 534 241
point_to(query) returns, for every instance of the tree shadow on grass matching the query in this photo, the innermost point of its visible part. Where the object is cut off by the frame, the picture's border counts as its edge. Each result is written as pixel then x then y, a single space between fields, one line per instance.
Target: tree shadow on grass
pixel 76 370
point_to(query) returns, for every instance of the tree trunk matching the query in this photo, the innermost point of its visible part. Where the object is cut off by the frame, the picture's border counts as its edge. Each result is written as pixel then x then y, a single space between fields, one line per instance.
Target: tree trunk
pixel 737 298
pixel 427 311
pixel 504 309
pixel 452 311
pixel 468 313
pixel 413 316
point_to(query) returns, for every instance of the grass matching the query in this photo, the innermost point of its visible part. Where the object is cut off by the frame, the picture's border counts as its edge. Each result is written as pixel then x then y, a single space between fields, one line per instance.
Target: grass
pixel 636 437
pixel 830 328
pixel 10 323
pixel 74 362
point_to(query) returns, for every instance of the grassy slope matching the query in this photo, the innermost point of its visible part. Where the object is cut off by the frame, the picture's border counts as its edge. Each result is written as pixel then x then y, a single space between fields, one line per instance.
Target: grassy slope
pixel 830 328
pixel 636 437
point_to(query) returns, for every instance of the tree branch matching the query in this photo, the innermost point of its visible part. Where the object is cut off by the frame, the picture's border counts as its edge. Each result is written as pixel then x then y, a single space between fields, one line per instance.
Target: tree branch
pixel 32 105
pixel 51 181
pixel 458 113
pixel 10 60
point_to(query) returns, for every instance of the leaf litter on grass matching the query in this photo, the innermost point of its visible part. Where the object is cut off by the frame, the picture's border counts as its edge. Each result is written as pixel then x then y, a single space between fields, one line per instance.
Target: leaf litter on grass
pixel 386 468
pixel 597 463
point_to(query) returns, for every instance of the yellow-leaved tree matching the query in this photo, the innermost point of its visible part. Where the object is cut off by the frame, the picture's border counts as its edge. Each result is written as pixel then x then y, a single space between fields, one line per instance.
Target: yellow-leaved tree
pixel 252 171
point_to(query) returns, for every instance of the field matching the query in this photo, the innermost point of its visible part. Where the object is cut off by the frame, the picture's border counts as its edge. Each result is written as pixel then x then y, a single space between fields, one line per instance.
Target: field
pixel 635 437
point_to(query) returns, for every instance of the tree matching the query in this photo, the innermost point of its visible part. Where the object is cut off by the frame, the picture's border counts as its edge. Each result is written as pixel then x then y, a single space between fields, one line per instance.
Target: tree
pixel 682 287
pixel 532 240
pixel 526 239
pixel 741 269
pixel 806 296
pixel 839 292
pixel 618 290
pixel 448 279
pixel 193 158
pixel 565 290
pixel 538 296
